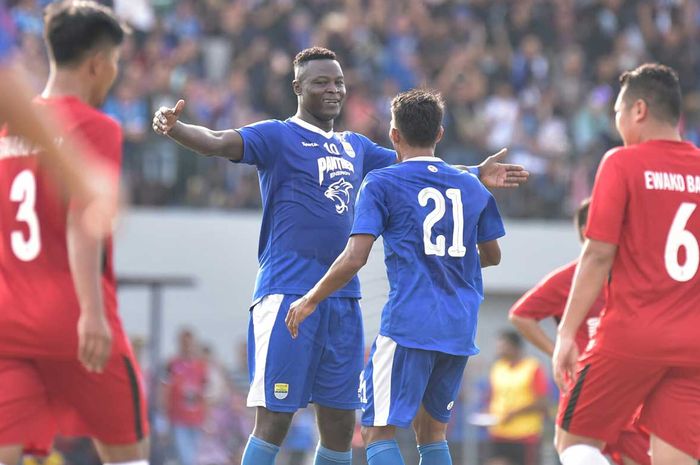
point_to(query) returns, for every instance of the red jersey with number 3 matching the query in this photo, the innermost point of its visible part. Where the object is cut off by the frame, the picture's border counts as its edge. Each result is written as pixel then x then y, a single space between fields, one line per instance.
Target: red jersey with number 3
pixel 645 200
pixel 38 305
pixel 548 299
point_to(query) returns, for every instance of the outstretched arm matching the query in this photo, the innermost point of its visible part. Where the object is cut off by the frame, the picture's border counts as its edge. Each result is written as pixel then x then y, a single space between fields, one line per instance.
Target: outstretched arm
pixel 343 269
pixel 227 143
pixel 495 174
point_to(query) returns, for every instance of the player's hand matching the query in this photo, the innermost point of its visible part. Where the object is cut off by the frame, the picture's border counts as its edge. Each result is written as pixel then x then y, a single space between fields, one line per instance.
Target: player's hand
pixel 94 341
pixel 165 118
pixel 494 173
pixel 298 312
pixel 564 361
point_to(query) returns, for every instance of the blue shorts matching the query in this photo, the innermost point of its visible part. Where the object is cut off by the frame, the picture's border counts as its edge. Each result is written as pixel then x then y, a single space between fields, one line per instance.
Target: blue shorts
pixel 397 380
pixel 322 365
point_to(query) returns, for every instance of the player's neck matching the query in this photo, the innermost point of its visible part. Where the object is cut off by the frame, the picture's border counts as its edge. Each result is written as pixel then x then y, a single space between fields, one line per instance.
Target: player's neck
pixel 660 132
pixel 64 84
pixel 309 118
pixel 406 153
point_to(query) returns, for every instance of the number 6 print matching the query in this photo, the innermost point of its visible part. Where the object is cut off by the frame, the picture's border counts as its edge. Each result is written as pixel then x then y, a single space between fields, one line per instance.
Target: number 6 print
pixel 679 237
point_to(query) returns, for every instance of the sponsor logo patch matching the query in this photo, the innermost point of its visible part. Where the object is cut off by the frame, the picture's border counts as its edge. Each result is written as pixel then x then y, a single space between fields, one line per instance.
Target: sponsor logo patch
pixel 450 405
pixel 281 390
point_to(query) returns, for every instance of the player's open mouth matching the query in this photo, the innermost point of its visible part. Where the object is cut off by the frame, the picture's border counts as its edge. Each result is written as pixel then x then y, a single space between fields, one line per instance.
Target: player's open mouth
pixel 334 102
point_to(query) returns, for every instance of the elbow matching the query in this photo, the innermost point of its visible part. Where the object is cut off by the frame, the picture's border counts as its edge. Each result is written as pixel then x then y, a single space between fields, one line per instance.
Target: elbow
pixel 490 260
pixel 357 261
pixel 599 254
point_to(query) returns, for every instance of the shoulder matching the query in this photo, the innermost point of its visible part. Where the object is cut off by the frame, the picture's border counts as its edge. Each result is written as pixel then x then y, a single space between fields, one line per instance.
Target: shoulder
pixel 563 273
pixel 620 155
pixel 268 124
pixel 95 121
pixel 351 136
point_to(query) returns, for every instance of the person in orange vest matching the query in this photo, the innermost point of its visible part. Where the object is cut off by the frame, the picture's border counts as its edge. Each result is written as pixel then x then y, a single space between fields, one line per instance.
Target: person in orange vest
pixel 518 402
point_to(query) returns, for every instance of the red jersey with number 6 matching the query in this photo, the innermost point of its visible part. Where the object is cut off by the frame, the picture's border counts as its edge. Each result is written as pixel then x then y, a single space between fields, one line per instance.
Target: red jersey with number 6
pixel 38 305
pixel 646 200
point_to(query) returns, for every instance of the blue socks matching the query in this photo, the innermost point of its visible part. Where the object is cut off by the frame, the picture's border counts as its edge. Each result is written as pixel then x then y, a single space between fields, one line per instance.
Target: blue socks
pixel 436 453
pixel 259 452
pixel 330 457
pixel 384 453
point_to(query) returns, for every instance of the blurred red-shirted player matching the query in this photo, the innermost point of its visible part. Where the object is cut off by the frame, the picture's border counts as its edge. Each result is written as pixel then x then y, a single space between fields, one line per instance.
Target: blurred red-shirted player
pixel 65 363
pixel 642 238
pixel 547 300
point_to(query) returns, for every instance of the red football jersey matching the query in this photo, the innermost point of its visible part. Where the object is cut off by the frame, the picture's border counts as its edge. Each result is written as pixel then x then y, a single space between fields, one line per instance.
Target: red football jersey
pixel 645 200
pixel 548 299
pixel 38 305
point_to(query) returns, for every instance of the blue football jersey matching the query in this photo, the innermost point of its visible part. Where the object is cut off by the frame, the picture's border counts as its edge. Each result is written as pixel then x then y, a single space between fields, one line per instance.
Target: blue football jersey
pixel 309 180
pixel 432 216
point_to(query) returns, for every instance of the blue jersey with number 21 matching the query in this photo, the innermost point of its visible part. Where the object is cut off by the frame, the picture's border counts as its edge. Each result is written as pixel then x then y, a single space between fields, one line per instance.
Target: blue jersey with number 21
pixel 431 217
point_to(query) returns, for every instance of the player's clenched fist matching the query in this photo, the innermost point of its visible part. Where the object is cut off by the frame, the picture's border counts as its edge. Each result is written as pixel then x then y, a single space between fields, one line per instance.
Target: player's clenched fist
pixel 165 118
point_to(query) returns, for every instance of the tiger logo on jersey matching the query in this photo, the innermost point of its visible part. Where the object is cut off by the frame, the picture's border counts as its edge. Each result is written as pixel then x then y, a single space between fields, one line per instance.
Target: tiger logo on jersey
pixel 339 192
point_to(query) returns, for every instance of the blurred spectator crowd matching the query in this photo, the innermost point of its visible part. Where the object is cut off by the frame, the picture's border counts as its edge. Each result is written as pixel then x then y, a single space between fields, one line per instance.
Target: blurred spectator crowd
pixel 537 76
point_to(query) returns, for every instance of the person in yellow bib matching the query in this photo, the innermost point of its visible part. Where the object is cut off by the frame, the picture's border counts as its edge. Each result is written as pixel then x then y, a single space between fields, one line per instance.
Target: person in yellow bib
pixel 518 403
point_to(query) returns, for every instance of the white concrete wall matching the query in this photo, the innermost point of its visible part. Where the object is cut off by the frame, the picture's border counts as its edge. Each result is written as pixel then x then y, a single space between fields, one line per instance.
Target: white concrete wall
pixel 219 250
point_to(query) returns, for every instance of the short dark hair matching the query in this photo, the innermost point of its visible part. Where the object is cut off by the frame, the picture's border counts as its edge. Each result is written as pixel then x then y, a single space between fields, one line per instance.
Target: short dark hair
pixel 581 217
pixel 74 28
pixel 313 53
pixel 418 116
pixel 513 338
pixel 658 86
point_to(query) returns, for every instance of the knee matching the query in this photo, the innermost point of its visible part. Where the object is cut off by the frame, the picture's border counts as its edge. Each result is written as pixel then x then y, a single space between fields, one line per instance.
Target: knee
pixel 272 427
pixel 377 433
pixel 429 430
pixel 428 435
pixel 336 429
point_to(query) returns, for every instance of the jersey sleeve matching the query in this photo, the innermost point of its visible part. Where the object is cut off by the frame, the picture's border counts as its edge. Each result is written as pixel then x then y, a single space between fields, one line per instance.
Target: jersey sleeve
pixel 260 142
pixel 371 212
pixel 609 200
pixel 490 222
pixel 547 298
pixel 104 139
pixel 101 140
pixel 376 156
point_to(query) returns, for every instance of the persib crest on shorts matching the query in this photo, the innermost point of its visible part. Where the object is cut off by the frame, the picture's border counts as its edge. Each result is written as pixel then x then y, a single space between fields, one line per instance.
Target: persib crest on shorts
pixel 281 390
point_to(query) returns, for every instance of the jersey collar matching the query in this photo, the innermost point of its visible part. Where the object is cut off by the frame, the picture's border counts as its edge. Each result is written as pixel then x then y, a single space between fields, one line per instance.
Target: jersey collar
pixel 426 158
pixel 311 127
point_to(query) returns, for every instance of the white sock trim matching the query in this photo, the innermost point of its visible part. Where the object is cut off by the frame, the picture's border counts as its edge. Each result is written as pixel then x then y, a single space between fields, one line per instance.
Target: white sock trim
pixel 130 462
pixel 582 454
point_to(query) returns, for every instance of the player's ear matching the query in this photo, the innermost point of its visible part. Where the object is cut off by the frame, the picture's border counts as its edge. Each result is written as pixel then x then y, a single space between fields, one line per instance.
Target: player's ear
pixel 640 110
pixel 97 61
pixel 296 87
pixel 395 136
pixel 441 132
